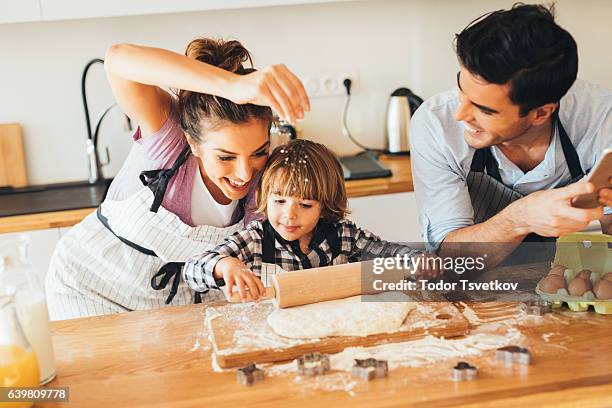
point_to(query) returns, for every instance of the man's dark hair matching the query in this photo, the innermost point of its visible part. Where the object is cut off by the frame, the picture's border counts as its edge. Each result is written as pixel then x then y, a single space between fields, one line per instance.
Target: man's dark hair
pixel 525 47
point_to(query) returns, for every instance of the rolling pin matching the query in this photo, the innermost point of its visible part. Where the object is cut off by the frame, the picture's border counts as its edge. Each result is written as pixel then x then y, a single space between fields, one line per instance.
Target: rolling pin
pixel 313 285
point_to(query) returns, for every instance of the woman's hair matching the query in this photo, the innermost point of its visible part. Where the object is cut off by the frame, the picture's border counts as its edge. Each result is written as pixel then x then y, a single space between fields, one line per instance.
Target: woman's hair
pixel 524 47
pixel 202 112
pixel 308 170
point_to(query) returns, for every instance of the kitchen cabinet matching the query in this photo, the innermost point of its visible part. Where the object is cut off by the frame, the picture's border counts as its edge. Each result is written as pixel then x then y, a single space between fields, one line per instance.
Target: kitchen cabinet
pixel 42 244
pixel 63 231
pixel 394 217
pixel 14 11
pixel 19 11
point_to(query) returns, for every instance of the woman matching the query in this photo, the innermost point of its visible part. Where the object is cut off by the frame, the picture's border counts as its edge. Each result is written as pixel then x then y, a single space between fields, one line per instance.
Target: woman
pixel 187 179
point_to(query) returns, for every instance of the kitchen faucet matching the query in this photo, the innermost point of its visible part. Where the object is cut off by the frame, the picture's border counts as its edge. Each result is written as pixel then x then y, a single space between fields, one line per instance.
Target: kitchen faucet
pixel 95 166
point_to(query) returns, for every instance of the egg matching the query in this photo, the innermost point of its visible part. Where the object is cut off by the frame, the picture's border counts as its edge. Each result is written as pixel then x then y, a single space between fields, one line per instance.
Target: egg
pixel 607 276
pixel 557 270
pixel 603 289
pixel 584 274
pixel 552 283
pixel 578 286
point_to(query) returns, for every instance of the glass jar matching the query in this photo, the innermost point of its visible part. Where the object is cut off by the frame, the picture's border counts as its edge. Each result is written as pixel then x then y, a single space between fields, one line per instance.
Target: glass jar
pixel 30 302
pixel 18 362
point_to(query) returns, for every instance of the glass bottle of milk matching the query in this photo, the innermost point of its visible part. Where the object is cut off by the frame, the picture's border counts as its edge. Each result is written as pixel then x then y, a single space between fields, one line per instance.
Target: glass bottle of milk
pixel 15 271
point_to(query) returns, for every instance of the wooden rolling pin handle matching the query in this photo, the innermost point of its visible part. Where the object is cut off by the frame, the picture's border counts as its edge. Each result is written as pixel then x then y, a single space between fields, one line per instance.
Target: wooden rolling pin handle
pixel 317 285
pixel 270 294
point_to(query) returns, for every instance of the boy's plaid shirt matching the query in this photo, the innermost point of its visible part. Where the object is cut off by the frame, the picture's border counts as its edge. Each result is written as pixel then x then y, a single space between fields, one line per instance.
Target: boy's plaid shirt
pixel 356 244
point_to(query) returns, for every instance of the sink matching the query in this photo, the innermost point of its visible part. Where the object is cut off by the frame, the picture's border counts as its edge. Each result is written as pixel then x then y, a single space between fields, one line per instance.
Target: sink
pixel 51 197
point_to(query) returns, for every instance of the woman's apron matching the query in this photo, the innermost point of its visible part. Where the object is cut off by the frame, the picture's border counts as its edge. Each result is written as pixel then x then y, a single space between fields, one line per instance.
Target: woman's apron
pixel 128 255
pixel 489 195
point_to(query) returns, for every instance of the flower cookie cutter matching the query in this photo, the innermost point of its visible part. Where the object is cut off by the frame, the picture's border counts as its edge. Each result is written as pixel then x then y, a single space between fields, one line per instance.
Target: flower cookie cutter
pixel 313 364
pixel 513 354
pixel 464 372
pixel 370 368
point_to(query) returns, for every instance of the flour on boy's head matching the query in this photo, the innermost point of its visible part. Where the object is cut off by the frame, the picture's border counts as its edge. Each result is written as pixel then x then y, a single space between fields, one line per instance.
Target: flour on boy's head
pixel 305 169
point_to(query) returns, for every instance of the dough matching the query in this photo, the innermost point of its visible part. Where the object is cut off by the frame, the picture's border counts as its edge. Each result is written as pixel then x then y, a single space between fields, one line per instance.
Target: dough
pixel 353 316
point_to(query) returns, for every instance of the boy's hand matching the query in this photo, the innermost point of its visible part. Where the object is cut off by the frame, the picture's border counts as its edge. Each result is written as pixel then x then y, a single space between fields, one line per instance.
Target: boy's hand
pixel 234 272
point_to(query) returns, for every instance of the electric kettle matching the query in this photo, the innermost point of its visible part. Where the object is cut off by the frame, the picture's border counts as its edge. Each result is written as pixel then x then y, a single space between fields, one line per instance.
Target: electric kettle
pixel 402 105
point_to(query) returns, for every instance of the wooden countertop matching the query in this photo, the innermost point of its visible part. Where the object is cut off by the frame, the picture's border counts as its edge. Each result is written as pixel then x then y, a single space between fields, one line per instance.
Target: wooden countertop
pixel 55 219
pixel 400 181
pixel 162 358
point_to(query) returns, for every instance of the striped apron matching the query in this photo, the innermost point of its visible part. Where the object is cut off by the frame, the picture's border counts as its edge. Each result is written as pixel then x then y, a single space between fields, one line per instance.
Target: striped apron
pixel 123 256
pixel 269 265
pixel 489 195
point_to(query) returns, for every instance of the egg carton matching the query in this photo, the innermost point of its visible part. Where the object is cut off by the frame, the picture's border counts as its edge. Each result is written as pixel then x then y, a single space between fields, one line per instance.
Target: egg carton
pixel 577 252
pixel 577 303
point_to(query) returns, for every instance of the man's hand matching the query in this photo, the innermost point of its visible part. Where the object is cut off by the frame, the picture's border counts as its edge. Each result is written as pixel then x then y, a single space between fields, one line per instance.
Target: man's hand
pixel 234 272
pixel 605 198
pixel 550 213
pixel 605 195
pixel 429 267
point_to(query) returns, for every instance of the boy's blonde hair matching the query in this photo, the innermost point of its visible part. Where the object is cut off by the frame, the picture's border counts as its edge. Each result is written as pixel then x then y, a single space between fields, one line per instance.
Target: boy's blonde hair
pixel 305 169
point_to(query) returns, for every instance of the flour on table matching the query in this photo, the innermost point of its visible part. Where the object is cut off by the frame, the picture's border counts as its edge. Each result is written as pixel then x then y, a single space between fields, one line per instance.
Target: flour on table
pixel 353 316
pixel 427 350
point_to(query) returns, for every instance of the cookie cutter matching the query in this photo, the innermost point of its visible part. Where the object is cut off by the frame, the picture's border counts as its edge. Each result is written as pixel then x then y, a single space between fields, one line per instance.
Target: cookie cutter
pixel 537 307
pixel 464 372
pixel 313 364
pixel 249 374
pixel 513 354
pixel 370 368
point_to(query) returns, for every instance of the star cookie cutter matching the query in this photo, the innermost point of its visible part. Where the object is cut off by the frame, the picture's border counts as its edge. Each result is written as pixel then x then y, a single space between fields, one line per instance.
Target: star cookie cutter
pixel 464 372
pixel 370 368
pixel 249 374
pixel 513 354
pixel 313 364
pixel 537 307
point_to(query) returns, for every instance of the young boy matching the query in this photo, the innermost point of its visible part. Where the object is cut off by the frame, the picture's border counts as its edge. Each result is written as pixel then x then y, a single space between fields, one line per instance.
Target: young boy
pixel 303 197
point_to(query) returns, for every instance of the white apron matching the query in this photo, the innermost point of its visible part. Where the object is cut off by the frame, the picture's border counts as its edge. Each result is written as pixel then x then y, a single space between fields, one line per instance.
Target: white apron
pixel 92 272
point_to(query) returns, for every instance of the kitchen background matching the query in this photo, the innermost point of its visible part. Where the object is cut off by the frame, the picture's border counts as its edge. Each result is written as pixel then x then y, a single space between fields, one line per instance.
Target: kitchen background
pixel 385 43
pixel 388 44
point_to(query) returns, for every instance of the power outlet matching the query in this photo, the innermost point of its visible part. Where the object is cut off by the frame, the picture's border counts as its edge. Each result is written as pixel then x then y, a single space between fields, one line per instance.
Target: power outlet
pixel 329 84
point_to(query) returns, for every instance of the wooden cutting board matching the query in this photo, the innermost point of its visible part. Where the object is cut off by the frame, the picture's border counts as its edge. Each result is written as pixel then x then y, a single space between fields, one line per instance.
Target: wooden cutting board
pixel 12 156
pixel 241 335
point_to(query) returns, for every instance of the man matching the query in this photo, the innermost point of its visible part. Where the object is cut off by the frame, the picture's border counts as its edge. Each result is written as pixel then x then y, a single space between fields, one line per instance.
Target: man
pixel 496 159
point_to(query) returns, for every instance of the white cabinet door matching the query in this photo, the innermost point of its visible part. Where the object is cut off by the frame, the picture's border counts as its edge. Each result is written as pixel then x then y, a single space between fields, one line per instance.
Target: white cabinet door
pixel 19 11
pixel 394 217
pixel 77 9
pixel 42 244
pixel 63 231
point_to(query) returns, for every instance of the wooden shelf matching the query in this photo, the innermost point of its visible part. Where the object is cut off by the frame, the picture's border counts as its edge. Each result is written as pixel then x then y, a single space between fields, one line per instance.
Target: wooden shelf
pixel 399 182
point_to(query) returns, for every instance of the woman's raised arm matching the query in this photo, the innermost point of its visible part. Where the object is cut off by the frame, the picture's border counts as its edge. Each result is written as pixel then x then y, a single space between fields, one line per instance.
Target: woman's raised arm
pixel 137 75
